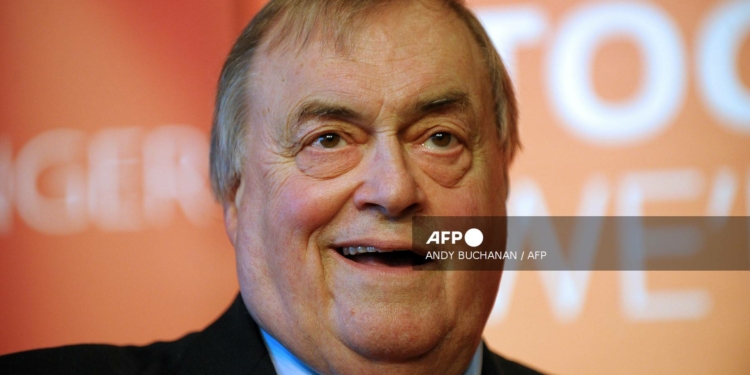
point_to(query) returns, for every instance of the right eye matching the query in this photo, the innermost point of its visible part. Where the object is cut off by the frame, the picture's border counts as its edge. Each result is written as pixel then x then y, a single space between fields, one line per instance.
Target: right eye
pixel 329 141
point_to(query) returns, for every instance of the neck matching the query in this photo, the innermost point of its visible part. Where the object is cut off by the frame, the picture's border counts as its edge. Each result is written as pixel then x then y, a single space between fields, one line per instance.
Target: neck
pixel 286 363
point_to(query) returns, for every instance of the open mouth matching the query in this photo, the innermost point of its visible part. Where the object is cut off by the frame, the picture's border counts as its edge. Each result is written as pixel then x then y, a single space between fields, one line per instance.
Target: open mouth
pixel 371 255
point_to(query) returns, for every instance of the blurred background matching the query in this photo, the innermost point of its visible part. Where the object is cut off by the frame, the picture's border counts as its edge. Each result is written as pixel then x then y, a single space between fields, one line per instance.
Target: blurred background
pixel 108 232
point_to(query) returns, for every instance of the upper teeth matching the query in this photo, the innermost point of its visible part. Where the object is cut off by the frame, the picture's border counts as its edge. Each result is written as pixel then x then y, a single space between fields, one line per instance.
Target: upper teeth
pixel 353 250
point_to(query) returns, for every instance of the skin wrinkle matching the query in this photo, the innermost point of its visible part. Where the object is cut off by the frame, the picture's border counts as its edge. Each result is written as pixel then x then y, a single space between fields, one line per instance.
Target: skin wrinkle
pixel 321 110
pixel 280 27
pixel 315 109
pixel 338 320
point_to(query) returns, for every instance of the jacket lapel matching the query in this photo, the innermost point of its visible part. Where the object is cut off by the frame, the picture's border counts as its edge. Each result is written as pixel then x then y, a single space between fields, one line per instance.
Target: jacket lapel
pixel 231 345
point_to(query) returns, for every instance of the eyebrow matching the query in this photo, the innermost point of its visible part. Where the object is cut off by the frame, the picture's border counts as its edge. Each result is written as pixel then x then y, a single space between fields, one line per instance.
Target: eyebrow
pixel 323 109
pixel 453 100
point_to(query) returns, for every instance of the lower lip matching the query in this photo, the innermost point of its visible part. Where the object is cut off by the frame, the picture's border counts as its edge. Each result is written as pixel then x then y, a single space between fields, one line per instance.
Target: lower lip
pixel 380 268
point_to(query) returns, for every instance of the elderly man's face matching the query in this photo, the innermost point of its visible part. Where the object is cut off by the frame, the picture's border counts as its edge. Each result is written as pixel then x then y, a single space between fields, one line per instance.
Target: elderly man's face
pixel 342 150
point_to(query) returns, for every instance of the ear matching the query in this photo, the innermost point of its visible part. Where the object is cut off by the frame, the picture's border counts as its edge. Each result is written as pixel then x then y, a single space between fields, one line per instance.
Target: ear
pixel 231 213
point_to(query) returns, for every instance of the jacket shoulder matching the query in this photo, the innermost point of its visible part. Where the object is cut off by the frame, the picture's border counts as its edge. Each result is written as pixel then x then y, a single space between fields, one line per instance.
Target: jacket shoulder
pixel 157 358
pixel 231 345
pixel 493 364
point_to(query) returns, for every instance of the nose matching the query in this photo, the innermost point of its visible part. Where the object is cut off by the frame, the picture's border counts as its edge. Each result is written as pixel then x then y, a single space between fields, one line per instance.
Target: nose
pixel 388 184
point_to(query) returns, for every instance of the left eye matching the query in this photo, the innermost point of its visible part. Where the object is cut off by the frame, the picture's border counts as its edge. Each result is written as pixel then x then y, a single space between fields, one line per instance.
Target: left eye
pixel 330 140
pixel 440 140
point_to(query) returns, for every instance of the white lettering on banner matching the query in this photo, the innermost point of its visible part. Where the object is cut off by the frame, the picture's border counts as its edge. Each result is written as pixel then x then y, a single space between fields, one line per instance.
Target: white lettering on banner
pixel 59 153
pixel 175 174
pixel 723 193
pixel 114 179
pixel 566 290
pixel 122 179
pixel 511 28
pixel 569 67
pixel 719 42
pixel 663 87
pixel 638 302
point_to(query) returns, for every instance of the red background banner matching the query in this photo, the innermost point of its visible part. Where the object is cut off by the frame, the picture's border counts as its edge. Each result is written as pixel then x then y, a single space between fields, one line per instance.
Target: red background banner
pixel 108 232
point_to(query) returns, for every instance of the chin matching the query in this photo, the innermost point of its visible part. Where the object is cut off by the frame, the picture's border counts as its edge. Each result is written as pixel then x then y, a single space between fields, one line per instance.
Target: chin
pixel 396 334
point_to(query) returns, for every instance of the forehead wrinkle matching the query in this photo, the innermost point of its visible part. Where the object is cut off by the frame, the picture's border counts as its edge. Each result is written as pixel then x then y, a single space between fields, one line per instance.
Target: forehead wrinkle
pixel 338 28
pixel 451 101
pixel 374 40
pixel 330 105
pixel 317 108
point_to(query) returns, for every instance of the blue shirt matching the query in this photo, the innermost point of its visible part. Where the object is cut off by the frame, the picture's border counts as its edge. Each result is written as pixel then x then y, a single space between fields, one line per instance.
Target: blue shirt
pixel 286 363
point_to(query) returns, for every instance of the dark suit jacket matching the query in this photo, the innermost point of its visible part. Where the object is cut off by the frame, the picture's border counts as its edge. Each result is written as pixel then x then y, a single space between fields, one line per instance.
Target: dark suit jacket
pixel 231 345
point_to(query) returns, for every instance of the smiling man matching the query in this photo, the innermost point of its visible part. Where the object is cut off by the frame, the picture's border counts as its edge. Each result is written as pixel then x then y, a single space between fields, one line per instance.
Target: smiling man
pixel 337 122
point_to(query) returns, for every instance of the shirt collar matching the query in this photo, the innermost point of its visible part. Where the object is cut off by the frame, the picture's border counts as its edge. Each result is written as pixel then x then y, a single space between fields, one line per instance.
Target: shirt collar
pixel 286 363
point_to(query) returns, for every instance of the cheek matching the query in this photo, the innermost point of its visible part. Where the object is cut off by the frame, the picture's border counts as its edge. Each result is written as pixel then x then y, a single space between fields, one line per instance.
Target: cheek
pixel 476 292
pixel 324 164
pixel 282 221
pixel 304 204
pixel 480 192
pixel 446 170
